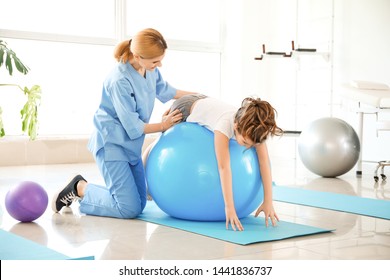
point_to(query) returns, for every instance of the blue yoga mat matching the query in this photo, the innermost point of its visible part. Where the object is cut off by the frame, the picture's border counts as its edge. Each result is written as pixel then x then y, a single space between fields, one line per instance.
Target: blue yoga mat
pixel 255 229
pixel 339 202
pixel 14 247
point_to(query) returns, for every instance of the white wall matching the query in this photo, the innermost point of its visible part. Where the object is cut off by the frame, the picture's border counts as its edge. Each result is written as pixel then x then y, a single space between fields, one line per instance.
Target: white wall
pixel 355 33
pixel 362 52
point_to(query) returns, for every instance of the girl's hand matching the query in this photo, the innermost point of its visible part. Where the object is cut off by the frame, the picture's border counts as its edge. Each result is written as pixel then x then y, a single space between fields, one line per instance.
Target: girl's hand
pixel 169 119
pixel 233 220
pixel 269 213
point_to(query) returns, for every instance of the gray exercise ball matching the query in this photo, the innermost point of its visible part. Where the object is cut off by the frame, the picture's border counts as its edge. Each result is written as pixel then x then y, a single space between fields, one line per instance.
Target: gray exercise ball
pixel 329 147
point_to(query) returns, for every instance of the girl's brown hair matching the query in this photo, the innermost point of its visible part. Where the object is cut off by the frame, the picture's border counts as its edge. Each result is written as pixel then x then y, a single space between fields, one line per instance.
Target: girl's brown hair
pixel 148 43
pixel 256 120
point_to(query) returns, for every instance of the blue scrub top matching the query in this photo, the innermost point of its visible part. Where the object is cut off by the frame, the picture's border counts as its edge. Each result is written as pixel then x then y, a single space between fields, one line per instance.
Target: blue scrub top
pixel 126 106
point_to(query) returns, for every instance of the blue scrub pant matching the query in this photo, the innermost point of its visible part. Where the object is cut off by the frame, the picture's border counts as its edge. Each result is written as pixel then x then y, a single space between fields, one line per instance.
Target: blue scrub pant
pixel 125 194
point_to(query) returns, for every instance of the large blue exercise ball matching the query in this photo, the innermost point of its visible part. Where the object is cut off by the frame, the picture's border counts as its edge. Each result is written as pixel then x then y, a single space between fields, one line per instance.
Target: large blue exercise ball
pixel 329 147
pixel 183 178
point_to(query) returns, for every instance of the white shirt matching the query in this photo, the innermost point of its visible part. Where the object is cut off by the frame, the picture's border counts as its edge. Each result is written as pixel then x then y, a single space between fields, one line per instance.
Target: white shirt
pixel 214 114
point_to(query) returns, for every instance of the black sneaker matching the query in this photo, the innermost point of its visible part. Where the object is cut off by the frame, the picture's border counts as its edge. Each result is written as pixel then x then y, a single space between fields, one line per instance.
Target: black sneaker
pixel 65 196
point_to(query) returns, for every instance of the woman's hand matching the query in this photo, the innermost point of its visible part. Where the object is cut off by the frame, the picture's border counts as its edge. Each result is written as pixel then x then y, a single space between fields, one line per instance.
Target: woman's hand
pixel 169 118
pixel 269 213
pixel 232 219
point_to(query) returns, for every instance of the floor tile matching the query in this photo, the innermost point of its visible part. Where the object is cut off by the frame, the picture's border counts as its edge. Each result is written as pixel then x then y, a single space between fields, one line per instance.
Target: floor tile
pixel 78 235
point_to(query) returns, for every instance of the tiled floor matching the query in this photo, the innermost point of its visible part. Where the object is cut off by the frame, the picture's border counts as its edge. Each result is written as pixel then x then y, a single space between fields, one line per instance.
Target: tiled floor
pixel 75 235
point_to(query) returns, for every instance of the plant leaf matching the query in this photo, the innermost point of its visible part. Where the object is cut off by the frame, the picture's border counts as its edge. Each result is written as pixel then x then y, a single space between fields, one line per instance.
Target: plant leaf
pixel 11 57
pixel 8 64
pixel 29 112
pixel 1 56
pixel 19 65
pixel 2 132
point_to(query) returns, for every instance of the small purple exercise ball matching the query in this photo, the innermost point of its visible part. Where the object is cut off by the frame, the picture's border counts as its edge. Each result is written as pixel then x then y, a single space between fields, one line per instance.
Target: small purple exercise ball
pixel 26 201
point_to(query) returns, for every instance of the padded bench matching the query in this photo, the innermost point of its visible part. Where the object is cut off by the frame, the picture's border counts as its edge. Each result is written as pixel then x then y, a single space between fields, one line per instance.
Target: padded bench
pixel 377 98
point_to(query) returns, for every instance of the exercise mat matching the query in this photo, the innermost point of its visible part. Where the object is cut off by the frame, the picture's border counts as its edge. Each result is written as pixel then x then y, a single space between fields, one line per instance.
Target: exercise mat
pixel 15 247
pixel 377 208
pixel 255 230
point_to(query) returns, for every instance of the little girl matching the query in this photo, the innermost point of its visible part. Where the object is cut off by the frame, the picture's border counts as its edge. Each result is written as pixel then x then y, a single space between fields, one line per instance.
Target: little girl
pixel 250 125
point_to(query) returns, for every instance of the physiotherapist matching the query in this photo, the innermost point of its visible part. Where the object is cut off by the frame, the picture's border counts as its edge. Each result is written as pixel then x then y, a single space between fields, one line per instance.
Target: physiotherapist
pixel 121 122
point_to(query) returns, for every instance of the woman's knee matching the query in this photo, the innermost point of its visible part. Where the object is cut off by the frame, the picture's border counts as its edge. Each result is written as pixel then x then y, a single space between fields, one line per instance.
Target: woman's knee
pixel 130 212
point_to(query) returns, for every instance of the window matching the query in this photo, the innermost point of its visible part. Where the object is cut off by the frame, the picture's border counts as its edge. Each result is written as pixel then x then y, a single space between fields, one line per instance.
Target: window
pixel 70 76
pixel 68 46
pixel 197 21
pixel 71 17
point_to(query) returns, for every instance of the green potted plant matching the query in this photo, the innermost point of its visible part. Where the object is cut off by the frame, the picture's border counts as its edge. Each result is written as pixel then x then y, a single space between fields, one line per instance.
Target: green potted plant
pixel 29 112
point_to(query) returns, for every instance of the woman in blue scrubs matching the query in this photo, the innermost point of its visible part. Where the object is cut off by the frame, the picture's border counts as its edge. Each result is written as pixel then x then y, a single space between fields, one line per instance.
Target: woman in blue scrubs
pixel 121 122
